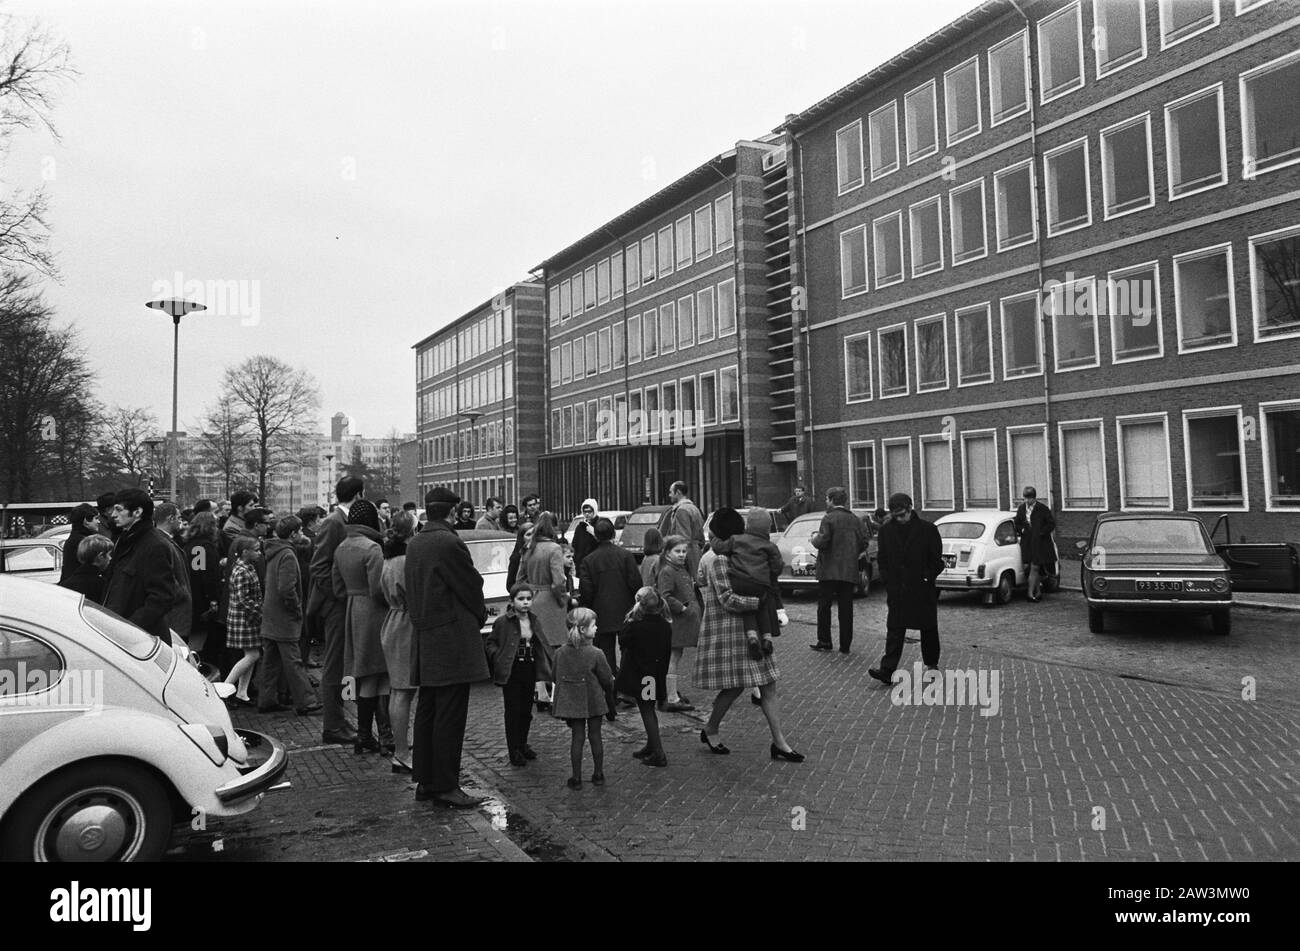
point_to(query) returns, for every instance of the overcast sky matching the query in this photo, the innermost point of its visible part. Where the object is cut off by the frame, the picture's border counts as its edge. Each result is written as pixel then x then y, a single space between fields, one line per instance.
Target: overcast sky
pixel 370 171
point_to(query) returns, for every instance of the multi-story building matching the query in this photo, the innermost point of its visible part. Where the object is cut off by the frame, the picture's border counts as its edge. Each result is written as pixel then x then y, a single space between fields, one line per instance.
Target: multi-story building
pixel 1061 248
pixel 663 363
pixel 479 399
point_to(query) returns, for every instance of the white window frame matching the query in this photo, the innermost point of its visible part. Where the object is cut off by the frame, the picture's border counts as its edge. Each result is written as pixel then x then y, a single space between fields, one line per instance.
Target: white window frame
pixel 911 463
pixel 648 318
pixel 1264 409
pixel 1232 296
pixel 1163 419
pixel 1166 43
pixel 713 315
pixel 566 347
pixel 1250 166
pixel 721 405
pixel 650 264
pixel 880 364
pixel 992 434
pixel 552 305
pixel 617 275
pixel 937 201
pixel 1045 493
pixel 999 224
pixel 1087 183
pixel 671 307
pixel 670 244
pixel 846 246
pixel 988 326
pixel 871 388
pixel 602 264
pixel 607 364
pixel 902 249
pixel 690 236
pixel 940 318
pixel 618 335
pixel 699 398
pixel 843 186
pixel 887 168
pixel 1255 315
pixel 702 249
pixel 690 304
pixel 875 471
pixel 1106 177
pixel 632 266
pixel 566 425
pixel 1038 330
pixel 728 201
pixel 1212 412
pixel 580 431
pixel 1217 90
pixel 566 293
pixel 949 137
pixel 1120 274
pixel 1110 69
pixel 1067 291
pixel 930 439
pixel 984 222
pixel 1096 424
pixel 914 157
pixel 1023 37
pixel 1074 8
pixel 1245 6
pixel 633 333
pixel 651 417
pixel 735 307
pixel 694 422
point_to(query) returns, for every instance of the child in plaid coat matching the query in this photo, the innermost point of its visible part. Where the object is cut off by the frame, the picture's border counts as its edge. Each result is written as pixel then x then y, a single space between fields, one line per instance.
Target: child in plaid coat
pixel 244 616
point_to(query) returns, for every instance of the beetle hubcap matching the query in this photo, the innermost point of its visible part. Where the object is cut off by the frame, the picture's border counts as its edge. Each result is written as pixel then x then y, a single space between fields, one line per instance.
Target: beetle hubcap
pixel 95 825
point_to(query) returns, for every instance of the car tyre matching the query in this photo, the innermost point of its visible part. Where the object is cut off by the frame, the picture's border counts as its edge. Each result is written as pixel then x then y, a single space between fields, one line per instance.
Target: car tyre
pixel 1096 621
pixel 1006 585
pixel 120 800
pixel 1222 622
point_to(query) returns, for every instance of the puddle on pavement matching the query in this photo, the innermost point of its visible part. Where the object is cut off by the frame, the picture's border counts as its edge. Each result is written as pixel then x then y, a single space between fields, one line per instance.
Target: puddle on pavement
pixel 538 845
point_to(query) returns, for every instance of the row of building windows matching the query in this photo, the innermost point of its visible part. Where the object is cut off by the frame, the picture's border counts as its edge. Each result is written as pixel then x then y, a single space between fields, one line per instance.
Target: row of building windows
pixel 1196 161
pixel 1205 316
pixel 1215 443
pixel 1119 40
pixel 693 401
pixel 473 391
pixel 473 340
pixel 492 438
pixel 707 314
pixel 689 240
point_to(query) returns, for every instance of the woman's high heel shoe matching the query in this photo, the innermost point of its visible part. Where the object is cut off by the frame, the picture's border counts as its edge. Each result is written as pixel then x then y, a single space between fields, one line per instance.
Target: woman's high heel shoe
pixel 791 756
pixel 720 748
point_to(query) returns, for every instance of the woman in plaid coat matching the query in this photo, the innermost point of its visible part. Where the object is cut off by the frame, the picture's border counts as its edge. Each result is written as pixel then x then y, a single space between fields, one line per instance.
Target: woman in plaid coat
pixel 723 662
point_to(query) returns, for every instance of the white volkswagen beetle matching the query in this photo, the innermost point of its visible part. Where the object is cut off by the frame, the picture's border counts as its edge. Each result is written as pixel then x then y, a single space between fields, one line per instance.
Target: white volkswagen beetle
pixel 108 735
pixel 982 553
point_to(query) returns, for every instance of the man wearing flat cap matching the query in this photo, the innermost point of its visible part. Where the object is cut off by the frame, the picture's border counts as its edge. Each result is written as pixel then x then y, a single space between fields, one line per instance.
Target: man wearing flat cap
pixel 910 559
pixel 444 594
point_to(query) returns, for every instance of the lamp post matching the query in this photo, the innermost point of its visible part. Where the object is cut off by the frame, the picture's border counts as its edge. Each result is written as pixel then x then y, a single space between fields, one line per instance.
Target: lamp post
pixel 176 308
pixel 471 415
pixel 152 444
pixel 329 477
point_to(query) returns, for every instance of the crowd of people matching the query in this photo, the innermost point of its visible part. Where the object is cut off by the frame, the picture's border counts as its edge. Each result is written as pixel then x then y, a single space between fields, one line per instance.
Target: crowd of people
pixel 394 606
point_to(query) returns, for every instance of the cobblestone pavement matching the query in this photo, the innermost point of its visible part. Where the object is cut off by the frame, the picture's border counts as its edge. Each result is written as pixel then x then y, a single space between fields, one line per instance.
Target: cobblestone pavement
pixel 1144 727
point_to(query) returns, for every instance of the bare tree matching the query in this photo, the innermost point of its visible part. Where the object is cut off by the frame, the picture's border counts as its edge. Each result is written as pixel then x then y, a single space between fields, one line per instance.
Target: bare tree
pixel 226 438
pixel 123 441
pixel 280 403
pixel 33 64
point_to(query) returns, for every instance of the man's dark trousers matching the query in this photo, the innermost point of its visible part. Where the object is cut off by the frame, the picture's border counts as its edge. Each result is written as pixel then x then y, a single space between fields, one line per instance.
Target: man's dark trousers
pixel 894 637
pixel 440 717
pixel 331 675
pixel 841 593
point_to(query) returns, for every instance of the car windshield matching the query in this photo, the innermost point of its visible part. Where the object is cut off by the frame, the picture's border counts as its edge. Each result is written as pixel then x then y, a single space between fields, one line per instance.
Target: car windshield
pixel 960 529
pixel 136 641
pixel 1153 536
pixel 644 518
pixel 491 555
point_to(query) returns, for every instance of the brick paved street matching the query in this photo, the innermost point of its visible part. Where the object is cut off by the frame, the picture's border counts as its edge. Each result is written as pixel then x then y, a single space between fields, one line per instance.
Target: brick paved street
pixel 1182 772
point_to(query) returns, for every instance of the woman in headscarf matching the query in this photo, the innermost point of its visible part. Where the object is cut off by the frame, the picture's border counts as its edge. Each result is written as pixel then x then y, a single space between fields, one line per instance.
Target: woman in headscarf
pixel 542 566
pixel 584 538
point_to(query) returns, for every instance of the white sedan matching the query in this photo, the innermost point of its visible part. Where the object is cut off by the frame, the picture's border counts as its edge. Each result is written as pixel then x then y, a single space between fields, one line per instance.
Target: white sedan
pixel 109 735
pixel 982 553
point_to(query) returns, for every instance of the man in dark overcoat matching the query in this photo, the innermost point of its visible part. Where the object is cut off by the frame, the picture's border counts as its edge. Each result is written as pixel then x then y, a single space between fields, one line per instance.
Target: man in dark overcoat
pixel 1034 525
pixel 327 610
pixel 608 583
pixel 444 596
pixel 140 584
pixel 910 559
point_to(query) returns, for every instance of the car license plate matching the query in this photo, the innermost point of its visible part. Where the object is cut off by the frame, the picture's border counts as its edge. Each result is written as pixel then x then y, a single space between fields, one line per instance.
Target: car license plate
pixel 803 570
pixel 1160 586
pixel 950 561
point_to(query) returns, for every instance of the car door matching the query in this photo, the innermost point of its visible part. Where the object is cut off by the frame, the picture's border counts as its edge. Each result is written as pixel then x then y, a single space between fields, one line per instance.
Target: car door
pixel 1258 566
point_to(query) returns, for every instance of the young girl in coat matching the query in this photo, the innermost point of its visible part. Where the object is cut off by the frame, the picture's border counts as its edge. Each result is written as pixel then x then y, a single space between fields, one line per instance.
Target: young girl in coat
pixel 582 680
pixel 644 646
pixel 519 657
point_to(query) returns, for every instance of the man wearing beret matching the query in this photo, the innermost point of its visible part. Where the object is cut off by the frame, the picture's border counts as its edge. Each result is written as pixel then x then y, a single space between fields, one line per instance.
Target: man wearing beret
pixel 910 559
pixel 444 594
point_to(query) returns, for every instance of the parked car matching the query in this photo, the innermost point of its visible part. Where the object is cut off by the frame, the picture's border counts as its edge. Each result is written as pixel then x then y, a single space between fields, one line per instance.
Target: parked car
pixel 618 518
pixel 39 559
pixel 776 523
pixel 491 553
pixel 982 553
pixel 800 557
pixel 110 734
pixel 60 532
pixel 638 523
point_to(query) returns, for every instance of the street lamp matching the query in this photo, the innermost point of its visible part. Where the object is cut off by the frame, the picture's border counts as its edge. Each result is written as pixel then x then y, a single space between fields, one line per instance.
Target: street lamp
pixel 152 444
pixel 471 415
pixel 329 477
pixel 177 309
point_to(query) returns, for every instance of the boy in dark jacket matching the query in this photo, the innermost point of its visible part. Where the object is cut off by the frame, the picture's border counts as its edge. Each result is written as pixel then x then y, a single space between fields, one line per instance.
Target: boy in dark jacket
pixel 754 568
pixel 520 657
